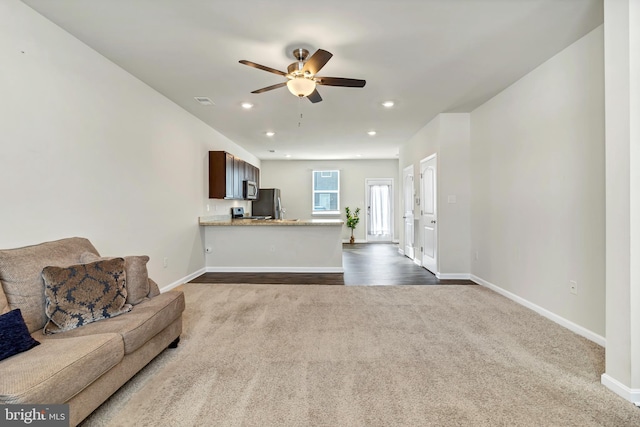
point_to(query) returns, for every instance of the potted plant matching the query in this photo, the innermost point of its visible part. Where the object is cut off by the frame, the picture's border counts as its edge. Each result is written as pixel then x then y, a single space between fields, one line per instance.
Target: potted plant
pixel 352 221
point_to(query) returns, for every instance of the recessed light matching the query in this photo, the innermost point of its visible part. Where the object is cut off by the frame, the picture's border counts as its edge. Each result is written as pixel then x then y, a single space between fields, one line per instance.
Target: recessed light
pixel 287 155
pixel 247 105
pixel 388 104
pixel 371 132
pixel 270 133
pixel 358 155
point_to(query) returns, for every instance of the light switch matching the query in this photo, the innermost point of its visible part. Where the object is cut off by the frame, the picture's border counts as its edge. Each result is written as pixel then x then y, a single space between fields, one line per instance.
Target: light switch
pixel 451 199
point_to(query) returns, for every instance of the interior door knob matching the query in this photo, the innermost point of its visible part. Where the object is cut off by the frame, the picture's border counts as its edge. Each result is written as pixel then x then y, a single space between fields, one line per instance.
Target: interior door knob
pixel 433 221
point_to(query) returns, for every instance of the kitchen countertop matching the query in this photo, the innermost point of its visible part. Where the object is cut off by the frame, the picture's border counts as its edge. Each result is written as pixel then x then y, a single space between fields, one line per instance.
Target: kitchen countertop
pixel 269 222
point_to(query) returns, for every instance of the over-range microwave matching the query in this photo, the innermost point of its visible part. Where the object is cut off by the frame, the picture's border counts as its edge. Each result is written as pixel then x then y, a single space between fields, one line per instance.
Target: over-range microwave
pixel 249 190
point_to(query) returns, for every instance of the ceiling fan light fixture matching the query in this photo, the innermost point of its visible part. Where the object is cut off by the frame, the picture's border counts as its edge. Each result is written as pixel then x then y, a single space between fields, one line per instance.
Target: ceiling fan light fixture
pixel 300 86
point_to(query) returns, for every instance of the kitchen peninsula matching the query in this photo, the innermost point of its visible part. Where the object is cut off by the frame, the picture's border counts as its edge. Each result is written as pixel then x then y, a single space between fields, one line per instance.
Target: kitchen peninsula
pixel 273 245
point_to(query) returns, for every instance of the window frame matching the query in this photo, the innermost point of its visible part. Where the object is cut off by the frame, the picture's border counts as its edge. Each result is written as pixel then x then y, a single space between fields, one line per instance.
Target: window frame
pixel 314 191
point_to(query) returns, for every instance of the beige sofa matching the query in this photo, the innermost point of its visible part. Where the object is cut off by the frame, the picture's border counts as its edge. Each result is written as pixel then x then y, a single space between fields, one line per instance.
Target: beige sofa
pixel 83 366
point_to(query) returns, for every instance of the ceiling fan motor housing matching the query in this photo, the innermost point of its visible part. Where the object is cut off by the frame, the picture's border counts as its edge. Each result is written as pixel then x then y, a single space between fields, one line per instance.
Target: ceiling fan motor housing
pixel 295 69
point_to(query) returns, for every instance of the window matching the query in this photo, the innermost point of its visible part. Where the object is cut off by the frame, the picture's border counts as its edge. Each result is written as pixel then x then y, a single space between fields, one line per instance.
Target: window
pixel 326 192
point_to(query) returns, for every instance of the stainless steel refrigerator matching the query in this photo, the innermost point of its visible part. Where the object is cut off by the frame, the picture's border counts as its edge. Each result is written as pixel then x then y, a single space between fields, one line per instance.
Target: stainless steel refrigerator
pixel 268 203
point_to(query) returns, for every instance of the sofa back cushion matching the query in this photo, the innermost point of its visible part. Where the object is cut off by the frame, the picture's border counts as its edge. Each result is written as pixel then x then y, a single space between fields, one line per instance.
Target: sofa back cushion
pixel 4 304
pixel 21 274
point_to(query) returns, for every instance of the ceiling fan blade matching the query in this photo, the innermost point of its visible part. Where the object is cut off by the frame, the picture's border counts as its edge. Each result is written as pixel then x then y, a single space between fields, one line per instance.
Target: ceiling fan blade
pixel 314 96
pixel 340 81
pixel 264 89
pixel 262 67
pixel 317 61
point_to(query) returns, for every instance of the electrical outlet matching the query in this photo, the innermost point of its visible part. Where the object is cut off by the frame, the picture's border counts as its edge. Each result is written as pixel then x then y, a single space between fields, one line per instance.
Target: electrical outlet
pixel 573 287
pixel 165 262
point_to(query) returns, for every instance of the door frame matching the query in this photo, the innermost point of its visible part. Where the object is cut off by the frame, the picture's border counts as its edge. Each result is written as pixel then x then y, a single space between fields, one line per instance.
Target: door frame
pixel 434 267
pixel 367 183
pixel 409 249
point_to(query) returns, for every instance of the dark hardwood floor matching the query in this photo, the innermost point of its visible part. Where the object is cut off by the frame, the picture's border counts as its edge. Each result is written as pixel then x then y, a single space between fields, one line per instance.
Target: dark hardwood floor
pixel 364 264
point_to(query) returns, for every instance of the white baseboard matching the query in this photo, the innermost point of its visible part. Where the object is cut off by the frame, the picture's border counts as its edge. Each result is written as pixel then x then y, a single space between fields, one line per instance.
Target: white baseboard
pixel 401 251
pixel 630 394
pixel 598 339
pixel 183 280
pixel 454 276
pixel 275 270
pixel 417 262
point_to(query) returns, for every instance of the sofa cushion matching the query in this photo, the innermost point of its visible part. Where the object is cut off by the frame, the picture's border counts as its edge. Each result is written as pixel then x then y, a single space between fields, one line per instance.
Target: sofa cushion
pixel 14 335
pixel 4 304
pixel 21 269
pixel 137 275
pixel 58 369
pixel 138 326
pixel 154 290
pixel 84 293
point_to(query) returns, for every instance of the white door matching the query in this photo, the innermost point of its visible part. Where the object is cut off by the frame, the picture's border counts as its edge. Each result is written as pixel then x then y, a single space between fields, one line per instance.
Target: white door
pixel 379 209
pixel 409 195
pixel 429 213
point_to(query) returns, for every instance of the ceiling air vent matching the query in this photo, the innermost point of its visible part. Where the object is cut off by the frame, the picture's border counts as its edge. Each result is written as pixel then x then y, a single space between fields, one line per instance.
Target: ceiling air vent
pixel 204 100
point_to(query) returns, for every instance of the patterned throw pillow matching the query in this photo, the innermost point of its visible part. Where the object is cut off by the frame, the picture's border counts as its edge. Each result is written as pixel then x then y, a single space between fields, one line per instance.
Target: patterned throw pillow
pixel 14 335
pixel 84 293
pixel 135 268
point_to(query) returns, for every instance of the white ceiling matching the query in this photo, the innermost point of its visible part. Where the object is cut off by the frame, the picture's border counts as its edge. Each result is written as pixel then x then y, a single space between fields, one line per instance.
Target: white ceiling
pixel 428 56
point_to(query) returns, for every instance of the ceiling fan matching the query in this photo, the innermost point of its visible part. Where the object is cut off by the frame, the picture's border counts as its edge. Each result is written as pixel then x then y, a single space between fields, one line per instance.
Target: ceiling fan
pixel 301 75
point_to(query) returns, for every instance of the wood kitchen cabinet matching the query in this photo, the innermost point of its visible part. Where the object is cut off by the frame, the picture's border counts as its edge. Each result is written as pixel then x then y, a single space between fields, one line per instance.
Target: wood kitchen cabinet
pixel 227 174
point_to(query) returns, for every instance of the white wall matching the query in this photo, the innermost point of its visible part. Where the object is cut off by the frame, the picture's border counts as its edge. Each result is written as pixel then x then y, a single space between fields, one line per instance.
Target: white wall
pixel 447 135
pixel 537 174
pixel 89 150
pixel 293 177
pixel 622 103
pixel 454 226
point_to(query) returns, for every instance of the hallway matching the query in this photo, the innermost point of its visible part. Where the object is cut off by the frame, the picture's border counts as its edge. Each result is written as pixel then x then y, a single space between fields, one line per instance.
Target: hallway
pixel 382 264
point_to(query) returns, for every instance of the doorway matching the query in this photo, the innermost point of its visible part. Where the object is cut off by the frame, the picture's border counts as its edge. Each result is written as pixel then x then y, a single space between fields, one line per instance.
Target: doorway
pixel 379 201
pixel 429 213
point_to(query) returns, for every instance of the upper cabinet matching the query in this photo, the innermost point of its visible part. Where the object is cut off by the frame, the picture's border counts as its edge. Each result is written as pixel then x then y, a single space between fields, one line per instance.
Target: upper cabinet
pixel 227 174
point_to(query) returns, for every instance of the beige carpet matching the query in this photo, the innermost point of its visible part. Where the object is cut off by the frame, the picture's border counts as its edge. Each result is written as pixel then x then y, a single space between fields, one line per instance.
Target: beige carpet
pixel 290 355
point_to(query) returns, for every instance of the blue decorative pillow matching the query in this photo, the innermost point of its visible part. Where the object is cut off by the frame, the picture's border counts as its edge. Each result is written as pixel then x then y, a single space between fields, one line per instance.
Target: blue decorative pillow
pixel 14 335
